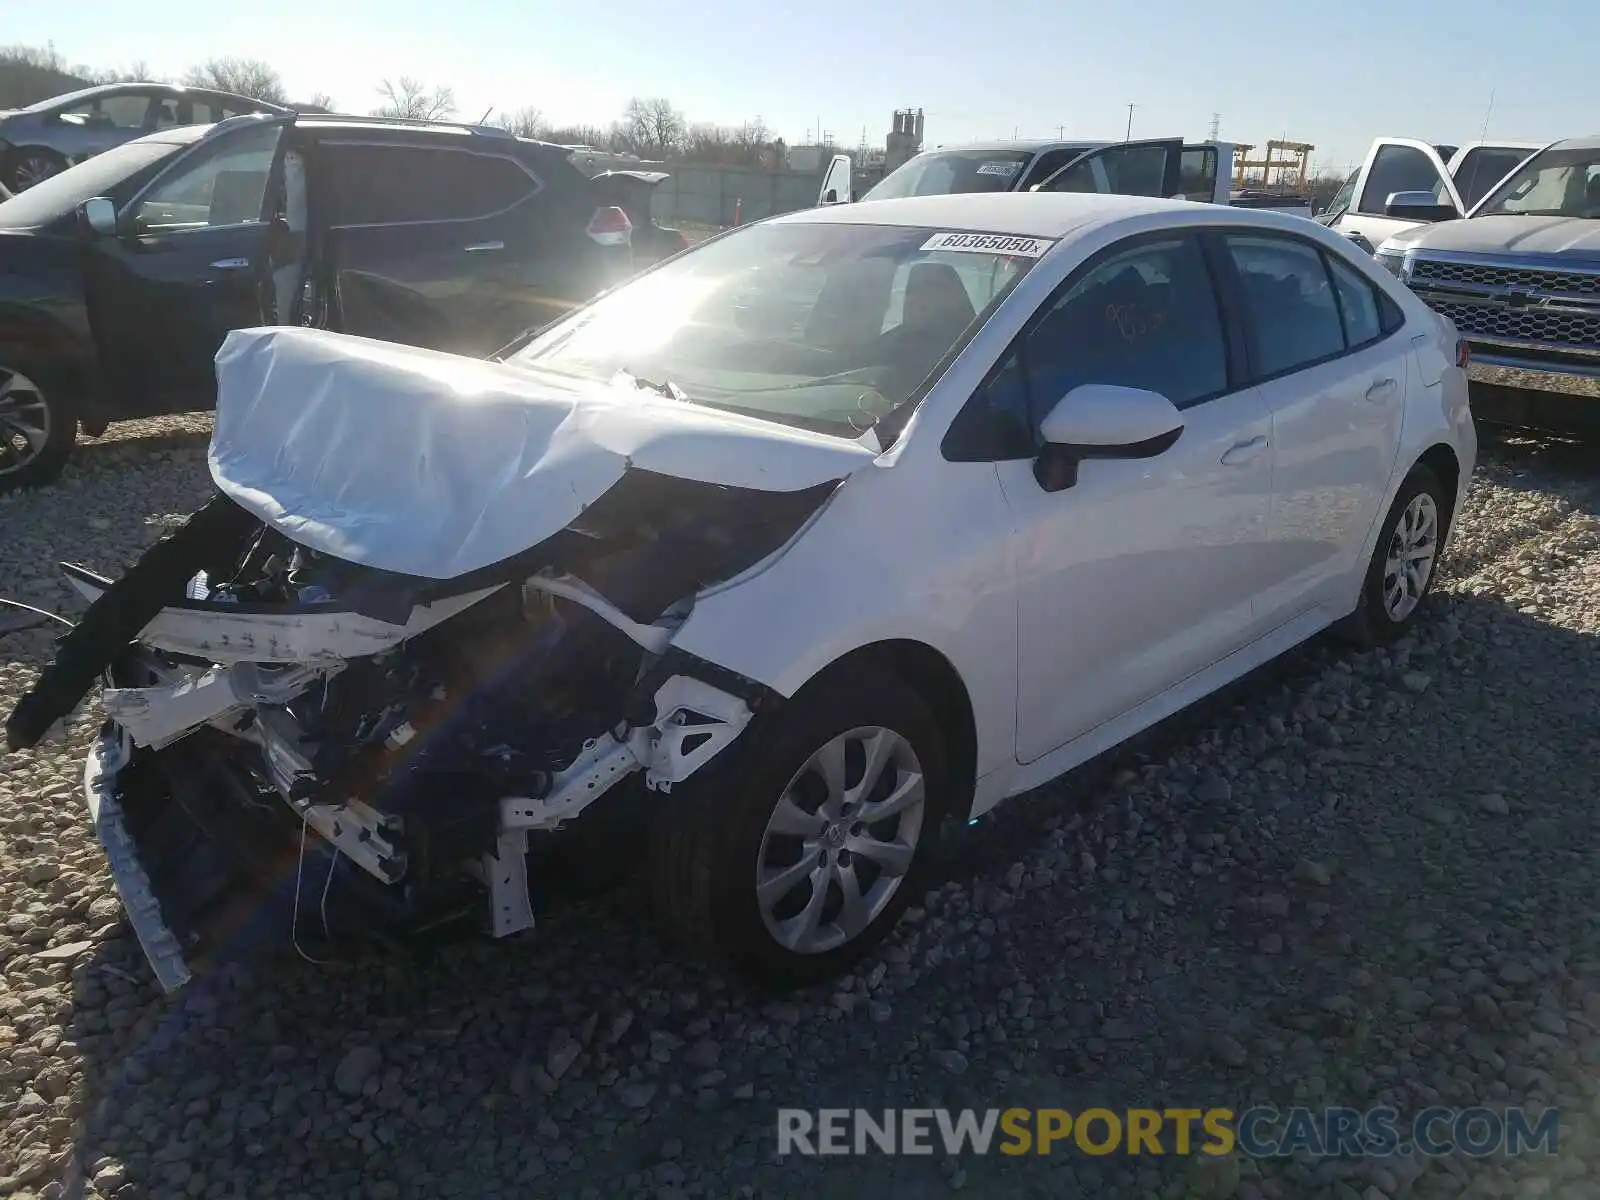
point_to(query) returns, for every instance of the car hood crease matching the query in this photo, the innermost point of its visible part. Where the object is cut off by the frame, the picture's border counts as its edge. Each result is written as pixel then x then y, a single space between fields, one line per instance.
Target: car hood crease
pixel 433 465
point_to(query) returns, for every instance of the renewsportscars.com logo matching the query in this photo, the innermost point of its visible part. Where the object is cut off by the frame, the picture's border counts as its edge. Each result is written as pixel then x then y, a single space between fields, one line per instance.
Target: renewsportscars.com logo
pixel 1255 1132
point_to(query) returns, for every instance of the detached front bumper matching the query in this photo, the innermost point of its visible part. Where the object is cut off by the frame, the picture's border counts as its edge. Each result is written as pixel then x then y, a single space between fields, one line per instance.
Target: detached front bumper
pixel 102 794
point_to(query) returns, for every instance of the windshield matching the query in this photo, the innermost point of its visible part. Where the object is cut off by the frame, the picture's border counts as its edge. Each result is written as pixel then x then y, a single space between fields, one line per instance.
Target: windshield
pixel 59 195
pixel 827 327
pixel 949 171
pixel 1553 183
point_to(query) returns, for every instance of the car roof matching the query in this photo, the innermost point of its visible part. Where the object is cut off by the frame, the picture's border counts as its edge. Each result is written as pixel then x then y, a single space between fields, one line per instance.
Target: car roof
pixel 173 90
pixel 1042 214
pixel 1592 142
pixel 1015 147
pixel 1024 214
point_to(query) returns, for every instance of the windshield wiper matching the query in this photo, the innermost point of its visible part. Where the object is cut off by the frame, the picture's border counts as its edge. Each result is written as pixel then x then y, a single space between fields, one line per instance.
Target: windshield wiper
pixel 662 387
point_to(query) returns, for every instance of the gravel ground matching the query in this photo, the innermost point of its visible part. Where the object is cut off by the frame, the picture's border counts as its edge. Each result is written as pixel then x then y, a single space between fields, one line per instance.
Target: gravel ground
pixel 1350 879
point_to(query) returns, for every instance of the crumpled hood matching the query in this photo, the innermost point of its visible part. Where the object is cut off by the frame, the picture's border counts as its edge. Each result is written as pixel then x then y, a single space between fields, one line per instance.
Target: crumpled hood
pixel 433 465
pixel 1577 236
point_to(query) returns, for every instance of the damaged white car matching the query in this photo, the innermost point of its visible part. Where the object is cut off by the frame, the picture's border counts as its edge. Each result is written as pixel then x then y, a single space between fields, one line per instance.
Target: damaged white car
pixel 832 528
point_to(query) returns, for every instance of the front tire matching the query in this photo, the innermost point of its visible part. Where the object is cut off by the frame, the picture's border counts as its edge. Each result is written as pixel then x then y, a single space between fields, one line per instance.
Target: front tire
pixel 30 165
pixel 1405 561
pixel 38 425
pixel 794 853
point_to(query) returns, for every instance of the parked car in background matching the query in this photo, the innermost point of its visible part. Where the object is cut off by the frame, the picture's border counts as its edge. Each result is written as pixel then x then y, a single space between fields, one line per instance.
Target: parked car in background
pixel 1456 177
pixel 1036 472
pixel 1165 167
pixel 1520 278
pixel 120 277
pixel 632 192
pixel 44 138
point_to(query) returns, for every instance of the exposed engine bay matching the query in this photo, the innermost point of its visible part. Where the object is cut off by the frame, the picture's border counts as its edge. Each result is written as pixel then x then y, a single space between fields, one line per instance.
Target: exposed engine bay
pixel 392 741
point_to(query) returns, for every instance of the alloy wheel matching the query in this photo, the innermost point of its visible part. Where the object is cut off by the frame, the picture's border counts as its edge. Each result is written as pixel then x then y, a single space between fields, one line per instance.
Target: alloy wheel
pixel 1409 563
pixel 24 421
pixel 33 168
pixel 840 840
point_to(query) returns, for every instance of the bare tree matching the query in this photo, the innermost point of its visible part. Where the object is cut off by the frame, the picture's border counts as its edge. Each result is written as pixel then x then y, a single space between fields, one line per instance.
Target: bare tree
pixel 653 125
pixel 242 76
pixel 525 122
pixel 751 142
pixel 320 101
pixel 707 143
pixel 408 97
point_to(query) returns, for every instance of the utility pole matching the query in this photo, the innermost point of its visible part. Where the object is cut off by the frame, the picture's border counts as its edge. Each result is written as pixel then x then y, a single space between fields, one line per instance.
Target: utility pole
pixel 1061 132
pixel 1128 136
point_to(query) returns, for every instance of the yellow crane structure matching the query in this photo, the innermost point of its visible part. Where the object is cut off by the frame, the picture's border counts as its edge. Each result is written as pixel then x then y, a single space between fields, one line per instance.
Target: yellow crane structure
pixel 1283 168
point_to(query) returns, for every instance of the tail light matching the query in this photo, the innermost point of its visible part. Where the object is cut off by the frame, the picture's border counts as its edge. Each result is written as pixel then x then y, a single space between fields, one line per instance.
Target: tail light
pixel 1463 353
pixel 611 227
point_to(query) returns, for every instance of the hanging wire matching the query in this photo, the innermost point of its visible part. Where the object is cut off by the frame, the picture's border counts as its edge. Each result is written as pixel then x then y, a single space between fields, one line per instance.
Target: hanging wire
pixel 39 611
pixel 294 926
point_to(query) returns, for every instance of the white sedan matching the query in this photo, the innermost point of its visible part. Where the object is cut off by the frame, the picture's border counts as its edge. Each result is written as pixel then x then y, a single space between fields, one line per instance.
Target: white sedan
pixel 827 530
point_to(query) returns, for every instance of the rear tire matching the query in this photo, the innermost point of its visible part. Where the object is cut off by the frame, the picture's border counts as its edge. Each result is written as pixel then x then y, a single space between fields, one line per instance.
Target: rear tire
pixel 1405 562
pixel 764 810
pixel 38 425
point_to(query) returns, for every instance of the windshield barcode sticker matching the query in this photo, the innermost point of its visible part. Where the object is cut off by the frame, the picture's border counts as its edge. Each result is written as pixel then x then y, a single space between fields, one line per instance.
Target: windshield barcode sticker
pixel 1003 169
pixel 989 243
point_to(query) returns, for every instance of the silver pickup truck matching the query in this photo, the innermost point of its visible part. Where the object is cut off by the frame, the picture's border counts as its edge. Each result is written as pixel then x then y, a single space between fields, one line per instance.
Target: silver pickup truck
pixel 1520 277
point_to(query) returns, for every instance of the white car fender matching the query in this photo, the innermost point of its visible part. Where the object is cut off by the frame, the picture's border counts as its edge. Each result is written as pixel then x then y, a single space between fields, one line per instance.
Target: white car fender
pixel 905 555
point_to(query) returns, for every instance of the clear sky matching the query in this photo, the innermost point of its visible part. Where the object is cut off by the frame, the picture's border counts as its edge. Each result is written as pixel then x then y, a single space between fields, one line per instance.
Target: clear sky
pixel 1332 73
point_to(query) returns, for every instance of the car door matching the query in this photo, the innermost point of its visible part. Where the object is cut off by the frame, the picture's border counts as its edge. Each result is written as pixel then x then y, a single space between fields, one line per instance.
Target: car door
pixel 1143 571
pixel 1478 166
pixel 191 260
pixel 1200 176
pixel 1325 355
pixel 1148 168
pixel 1394 165
pixel 836 182
pixel 429 244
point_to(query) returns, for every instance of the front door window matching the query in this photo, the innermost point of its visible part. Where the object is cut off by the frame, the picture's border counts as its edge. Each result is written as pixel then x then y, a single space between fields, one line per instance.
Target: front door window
pixel 226 184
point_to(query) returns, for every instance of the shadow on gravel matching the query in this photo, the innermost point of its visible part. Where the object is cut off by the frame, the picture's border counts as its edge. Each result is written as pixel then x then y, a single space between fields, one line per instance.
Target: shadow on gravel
pixel 587 1059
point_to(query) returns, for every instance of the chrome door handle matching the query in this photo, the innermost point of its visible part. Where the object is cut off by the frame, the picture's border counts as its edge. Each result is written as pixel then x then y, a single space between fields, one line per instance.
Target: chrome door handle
pixel 1381 390
pixel 478 247
pixel 1244 451
pixel 230 264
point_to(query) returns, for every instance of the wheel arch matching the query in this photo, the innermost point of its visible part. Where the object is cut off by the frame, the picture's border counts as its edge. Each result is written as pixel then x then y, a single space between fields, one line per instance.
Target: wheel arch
pixel 50 349
pixel 936 680
pixel 1442 461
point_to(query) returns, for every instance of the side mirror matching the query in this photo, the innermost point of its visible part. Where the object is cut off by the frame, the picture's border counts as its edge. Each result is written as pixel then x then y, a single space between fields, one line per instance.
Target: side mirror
pixel 1418 206
pixel 831 196
pixel 100 215
pixel 1101 420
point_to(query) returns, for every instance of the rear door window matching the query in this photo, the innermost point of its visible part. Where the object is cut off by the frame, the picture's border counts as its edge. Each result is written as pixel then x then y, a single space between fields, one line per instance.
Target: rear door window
pixel 1289 302
pixel 375 184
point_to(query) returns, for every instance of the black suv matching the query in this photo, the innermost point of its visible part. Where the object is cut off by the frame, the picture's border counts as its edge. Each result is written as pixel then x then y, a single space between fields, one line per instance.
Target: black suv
pixel 120 277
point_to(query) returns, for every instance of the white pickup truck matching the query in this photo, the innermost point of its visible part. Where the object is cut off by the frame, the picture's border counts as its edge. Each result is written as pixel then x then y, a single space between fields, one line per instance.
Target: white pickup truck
pixel 1170 167
pixel 1457 176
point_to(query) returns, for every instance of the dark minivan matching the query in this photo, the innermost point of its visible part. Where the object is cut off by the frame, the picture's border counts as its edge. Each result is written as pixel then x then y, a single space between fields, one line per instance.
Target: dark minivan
pixel 120 277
